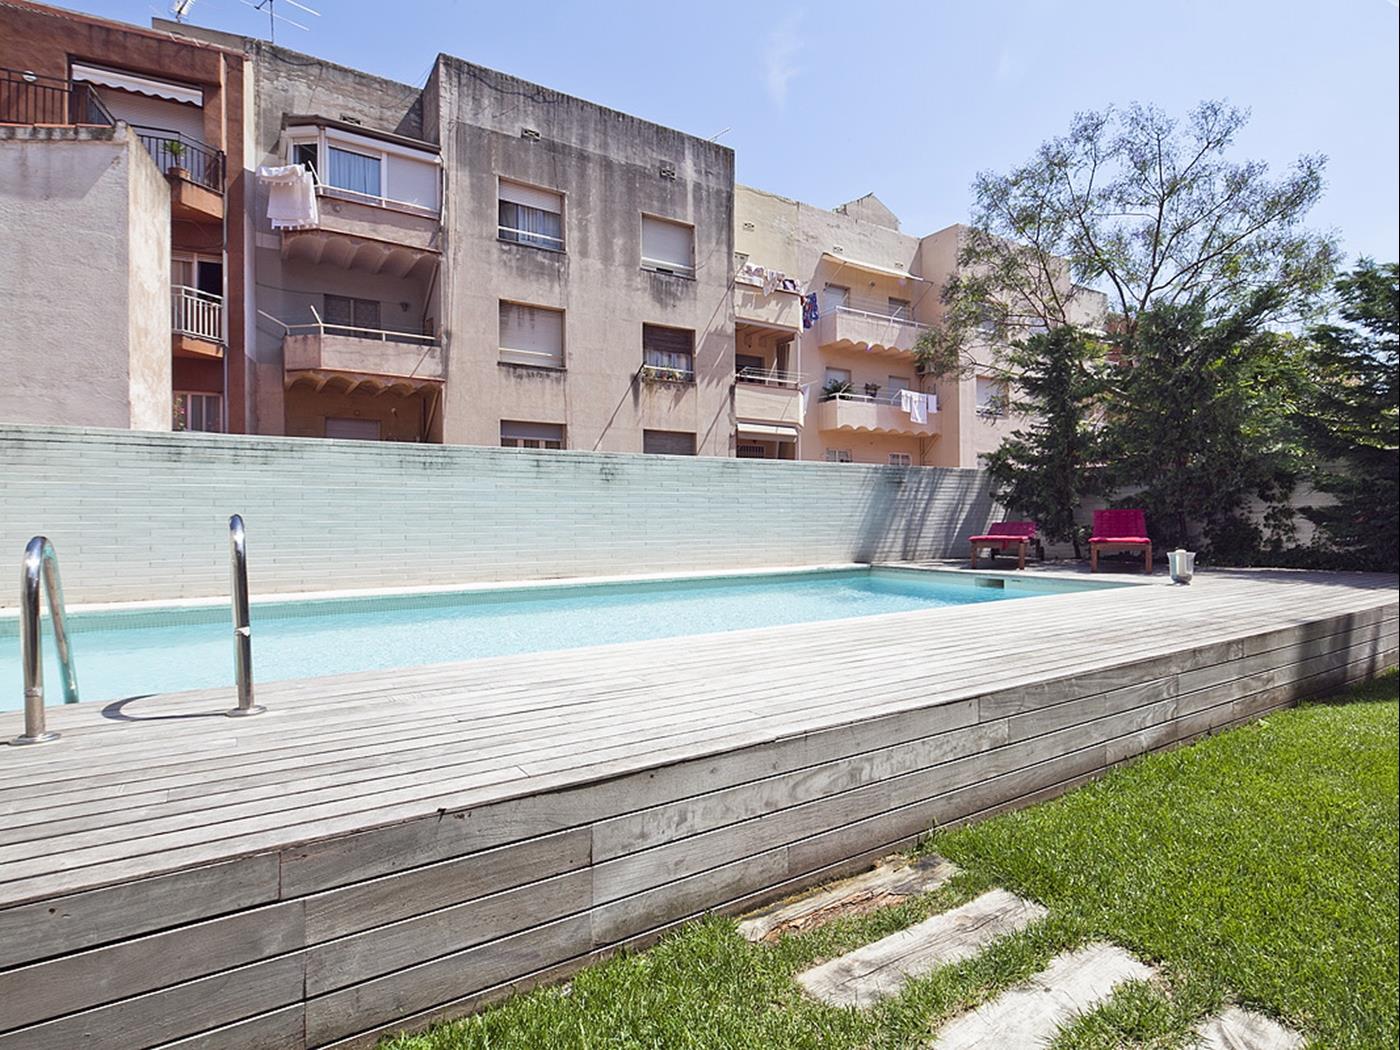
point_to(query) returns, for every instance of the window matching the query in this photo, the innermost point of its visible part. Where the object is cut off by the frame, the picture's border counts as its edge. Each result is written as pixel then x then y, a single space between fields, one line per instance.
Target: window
pixel 342 311
pixel 198 412
pixel 992 396
pixel 668 247
pixel 668 353
pixel 531 216
pixel 838 455
pixel 356 172
pixel 352 429
pixel 515 434
pixel 532 335
pixel 668 442
pixel 748 362
pixel 987 321
pixel 751 452
pixel 894 384
pixel 834 296
pixel 901 308
pixel 901 459
pixel 307 153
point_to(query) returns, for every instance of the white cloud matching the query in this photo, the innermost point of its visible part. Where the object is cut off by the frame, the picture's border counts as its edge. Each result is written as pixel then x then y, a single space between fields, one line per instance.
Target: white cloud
pixel 780 60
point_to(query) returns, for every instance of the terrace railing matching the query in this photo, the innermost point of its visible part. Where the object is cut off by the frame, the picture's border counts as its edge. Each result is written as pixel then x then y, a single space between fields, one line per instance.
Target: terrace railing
pixel 879 309
pixel 171 150
pixel 768 377
pixel 196 313
pixel 28 98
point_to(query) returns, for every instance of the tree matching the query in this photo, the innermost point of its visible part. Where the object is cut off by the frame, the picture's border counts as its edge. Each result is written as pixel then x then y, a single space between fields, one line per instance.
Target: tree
pixel 1045 469
pixel 1150 210
pixel 1200 418
pixel 1352 417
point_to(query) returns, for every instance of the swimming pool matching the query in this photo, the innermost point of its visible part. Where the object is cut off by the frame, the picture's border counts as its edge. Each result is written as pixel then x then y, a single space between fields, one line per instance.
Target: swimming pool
pixel 156 650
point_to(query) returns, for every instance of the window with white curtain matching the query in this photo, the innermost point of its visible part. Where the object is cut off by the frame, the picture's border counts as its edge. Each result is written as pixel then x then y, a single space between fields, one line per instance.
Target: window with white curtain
pixel 520 434
pixel 527 215
pixel 669 352
pixel 668 247
pixel 531 335
pixel 901 459
pixel 838 455
pixel 356 172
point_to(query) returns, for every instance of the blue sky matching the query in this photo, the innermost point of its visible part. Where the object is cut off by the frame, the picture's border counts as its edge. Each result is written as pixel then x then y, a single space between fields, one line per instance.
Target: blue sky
pixel 825 102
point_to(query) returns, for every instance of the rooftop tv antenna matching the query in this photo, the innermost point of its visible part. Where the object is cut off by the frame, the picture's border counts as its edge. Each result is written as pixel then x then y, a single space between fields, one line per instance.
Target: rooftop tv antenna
pixel 270 6
pixel 181 9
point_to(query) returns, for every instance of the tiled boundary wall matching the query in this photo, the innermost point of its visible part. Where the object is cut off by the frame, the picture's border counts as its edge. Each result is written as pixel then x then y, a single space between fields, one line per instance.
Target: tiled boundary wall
pixel 138 516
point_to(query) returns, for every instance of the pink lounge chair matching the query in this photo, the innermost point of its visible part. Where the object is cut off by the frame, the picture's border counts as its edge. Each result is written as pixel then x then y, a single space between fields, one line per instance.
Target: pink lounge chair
pixel 1002 535
pixel 1116 530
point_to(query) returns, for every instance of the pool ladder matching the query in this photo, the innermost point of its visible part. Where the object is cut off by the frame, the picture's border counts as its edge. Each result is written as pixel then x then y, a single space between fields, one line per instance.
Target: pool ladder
pixel 39 572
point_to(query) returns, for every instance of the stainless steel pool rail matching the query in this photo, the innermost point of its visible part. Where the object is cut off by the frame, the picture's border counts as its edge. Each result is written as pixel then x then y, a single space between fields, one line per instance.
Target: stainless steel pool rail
pixel 242 628
pixel 39 570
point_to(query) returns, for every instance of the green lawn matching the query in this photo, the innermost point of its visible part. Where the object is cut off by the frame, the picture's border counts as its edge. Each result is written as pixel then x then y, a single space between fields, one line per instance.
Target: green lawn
pixel 1259 866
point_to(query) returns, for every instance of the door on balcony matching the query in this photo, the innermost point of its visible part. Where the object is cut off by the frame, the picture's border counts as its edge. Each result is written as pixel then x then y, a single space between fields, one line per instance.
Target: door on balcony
pixel 202 273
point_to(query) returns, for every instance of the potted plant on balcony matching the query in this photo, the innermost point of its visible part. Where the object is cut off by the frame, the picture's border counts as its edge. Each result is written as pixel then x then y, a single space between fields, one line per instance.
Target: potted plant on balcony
pixel 175 149
pixel 835 388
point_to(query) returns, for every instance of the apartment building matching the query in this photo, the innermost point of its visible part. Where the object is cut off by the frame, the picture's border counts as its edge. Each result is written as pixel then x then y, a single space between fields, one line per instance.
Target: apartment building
pixel 121 150
pixel 829 308
pixel 482 260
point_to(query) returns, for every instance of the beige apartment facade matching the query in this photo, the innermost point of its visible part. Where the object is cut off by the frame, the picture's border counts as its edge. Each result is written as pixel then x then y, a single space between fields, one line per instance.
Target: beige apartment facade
pixel 828 381
pixel 481 260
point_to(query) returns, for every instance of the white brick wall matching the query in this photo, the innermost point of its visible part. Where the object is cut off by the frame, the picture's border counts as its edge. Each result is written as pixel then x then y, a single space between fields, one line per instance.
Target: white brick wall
pixel 144 516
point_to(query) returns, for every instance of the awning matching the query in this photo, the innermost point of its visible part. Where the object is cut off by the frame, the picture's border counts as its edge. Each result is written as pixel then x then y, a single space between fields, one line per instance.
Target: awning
pixel 138 84
pixel 768 431
pixel 869 267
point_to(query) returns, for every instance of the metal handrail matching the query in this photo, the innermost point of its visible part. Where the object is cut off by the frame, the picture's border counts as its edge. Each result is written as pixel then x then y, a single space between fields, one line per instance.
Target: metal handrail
pixel 765 377
pixel 31 98
pixel 197 313
pixel 40 565
pixel 242 629
pixel 171 149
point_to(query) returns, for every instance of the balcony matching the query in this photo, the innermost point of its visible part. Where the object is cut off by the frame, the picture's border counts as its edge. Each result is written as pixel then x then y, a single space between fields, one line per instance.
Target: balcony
pixel 357 232
pixel 196 173
pixel 781 309
pixel 27 98
pixel 352 357
pixel 873 326
pixel 196 322
pixel 773 398
pixel 874 415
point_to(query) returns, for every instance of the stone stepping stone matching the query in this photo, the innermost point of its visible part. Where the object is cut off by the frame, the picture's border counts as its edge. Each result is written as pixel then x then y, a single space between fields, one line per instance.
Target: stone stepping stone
pixel 1238 1029
pixel 888 883
pixel 1032 1013
pixel 874 971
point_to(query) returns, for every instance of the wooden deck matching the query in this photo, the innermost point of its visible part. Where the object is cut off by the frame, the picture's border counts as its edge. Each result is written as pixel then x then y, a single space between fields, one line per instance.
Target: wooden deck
pixel 386 849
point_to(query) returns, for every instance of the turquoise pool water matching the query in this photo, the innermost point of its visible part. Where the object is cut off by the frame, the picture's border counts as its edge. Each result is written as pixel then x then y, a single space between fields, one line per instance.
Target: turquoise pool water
pixel 155 651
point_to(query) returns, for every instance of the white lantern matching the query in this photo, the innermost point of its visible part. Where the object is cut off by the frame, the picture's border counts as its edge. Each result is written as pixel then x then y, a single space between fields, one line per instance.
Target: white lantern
pixel 1182 565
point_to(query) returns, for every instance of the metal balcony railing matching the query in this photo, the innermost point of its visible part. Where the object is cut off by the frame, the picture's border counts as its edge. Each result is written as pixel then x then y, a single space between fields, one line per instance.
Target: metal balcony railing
pixel 197 313
pixel 877 309
pixel 768 377
pixel 28 98
pixel 171 150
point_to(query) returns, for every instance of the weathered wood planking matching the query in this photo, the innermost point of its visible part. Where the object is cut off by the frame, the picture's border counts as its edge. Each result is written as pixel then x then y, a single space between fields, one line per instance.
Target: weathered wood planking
pixel 388 850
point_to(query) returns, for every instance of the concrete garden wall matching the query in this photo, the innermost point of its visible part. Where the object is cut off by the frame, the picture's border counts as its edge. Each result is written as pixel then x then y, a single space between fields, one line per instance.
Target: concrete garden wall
pixel 144 516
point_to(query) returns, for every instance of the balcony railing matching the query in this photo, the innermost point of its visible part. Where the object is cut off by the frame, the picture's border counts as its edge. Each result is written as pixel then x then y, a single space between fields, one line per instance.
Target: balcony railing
pixel 879 309
pixel 891 398
pixel 767 377
pixel 28 98
pixel 198 314
pixel 171 150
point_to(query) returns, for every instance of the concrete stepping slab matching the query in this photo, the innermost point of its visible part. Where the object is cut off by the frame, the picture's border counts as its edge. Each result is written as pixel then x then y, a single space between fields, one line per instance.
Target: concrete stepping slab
pixel 882 968
pixel 1032 1013
pixel 890 882
pixel 1235 1028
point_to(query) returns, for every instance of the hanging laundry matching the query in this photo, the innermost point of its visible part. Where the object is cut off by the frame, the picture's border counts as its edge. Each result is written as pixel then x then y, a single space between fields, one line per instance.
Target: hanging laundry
pixel 915 404
pixel 291 196
pixel 811 312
